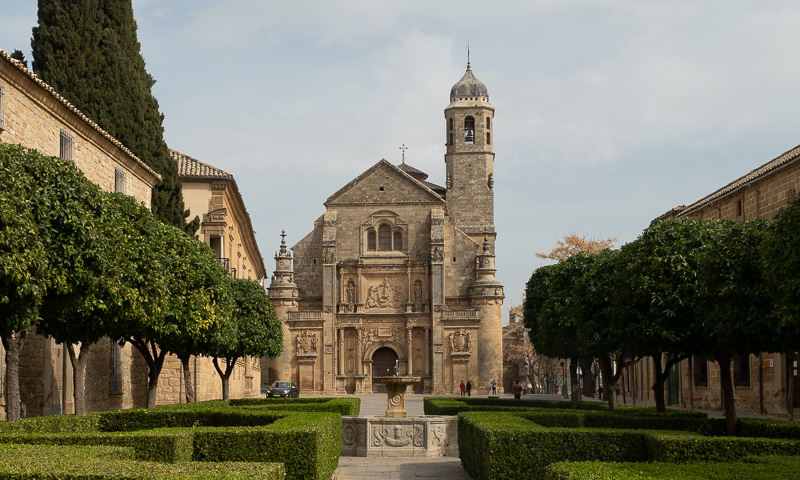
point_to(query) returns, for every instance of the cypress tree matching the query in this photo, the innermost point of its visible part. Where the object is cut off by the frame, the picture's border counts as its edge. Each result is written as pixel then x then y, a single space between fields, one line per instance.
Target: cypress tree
pixel 89 52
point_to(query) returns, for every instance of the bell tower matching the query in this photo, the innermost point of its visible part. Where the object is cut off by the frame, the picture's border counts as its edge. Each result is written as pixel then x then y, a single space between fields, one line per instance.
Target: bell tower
pixel 469 122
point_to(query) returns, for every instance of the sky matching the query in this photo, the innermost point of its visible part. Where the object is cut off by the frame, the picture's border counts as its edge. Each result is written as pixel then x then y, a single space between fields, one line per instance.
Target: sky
pixel 608 112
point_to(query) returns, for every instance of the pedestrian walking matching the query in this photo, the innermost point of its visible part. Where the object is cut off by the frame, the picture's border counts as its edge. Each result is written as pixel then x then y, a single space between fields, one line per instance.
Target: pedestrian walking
pixel 516 389
pixel 469 389
pixel 494 387
pixel 463 388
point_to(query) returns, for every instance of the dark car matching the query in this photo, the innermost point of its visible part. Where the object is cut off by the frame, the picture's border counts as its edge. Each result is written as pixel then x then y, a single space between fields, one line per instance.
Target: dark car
pixel 283 389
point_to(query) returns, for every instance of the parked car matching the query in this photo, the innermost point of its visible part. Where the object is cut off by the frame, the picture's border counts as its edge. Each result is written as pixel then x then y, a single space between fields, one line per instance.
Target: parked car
pixel 283 389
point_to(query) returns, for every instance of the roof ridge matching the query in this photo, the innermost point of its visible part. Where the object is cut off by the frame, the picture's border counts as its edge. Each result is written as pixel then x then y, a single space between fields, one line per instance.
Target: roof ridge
pixel 184 170
pixel 72 108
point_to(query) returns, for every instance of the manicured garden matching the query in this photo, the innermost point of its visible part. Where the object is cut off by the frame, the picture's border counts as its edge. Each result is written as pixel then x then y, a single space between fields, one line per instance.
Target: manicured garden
pixel 534 439
pixel 258 438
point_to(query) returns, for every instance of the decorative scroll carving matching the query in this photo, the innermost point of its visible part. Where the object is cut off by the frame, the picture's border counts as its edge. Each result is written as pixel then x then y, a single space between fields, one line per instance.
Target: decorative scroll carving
pixel 306 342
pixel 437 254
pixel 460 341
pixel 384 295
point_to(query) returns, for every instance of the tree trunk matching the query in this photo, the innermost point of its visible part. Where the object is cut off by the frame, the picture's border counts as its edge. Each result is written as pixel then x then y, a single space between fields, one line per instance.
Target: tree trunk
pixel 574 383
pixel 225 376
pixel 588 378
pixel 724 361
pixel 691 383
pixel 789 387
pixel 608 382
pixel 13 344
pixel 155 362
pixel 623 379
pixel 658 386
pixel 79 375
pixel 187 379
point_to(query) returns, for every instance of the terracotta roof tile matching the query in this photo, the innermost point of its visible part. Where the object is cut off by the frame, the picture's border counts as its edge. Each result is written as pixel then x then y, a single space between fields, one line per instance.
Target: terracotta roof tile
pixel 52 92
pixel 192 167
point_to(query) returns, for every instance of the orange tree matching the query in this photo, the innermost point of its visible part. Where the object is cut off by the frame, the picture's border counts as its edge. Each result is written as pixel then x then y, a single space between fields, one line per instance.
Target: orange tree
pixel 251 329
pixel 781 260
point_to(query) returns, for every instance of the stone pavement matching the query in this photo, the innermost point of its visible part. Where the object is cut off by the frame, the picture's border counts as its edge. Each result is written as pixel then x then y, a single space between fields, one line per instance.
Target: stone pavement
pixel 405 468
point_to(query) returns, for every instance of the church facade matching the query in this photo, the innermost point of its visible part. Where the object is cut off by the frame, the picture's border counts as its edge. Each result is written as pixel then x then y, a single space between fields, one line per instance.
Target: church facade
pixel 400 272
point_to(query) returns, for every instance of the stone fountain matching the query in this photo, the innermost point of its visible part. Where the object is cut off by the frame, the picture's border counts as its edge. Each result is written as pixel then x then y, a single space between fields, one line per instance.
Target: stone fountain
pixel 396 434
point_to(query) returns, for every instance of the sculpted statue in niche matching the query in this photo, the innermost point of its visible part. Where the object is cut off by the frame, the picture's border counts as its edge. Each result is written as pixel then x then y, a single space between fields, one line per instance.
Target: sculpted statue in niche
pixel 384 295
pixel 437 255
pixel 306 342
pixel 460 341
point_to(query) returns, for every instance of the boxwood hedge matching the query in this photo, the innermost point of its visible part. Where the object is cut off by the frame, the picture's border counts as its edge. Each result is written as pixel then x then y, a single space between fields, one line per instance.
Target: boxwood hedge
pixel 767 468
pixel 494 444
pixel 82 462
pixel 340 405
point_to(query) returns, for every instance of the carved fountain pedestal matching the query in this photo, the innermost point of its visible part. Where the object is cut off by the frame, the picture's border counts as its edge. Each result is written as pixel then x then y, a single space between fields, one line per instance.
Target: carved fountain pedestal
pixel 396 393
pixel 396 434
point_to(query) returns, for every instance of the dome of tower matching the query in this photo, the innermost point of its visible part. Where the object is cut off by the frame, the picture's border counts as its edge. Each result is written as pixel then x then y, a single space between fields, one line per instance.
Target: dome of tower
pixel 469 87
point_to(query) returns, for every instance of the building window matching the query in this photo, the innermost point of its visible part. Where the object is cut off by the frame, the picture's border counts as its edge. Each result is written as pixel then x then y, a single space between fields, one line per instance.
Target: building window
pixel 741 371
pixel 384 237
pixel 488 138
pixel 115 369
pixel 738 208
pixel 372 243
pixel 700 371
pixel 451 139
pixel 65 147
pixel 2 108
pixel 119 180
pixel 451 123
pixel 488 123
pixel 469 130
pixel 398 241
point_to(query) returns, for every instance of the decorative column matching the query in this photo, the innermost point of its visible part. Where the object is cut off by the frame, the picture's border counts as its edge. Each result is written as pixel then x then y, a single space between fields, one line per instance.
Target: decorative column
pixel 359 338
pixel 437 276
pixel 340 353
pixel 427 351
pixel 409 350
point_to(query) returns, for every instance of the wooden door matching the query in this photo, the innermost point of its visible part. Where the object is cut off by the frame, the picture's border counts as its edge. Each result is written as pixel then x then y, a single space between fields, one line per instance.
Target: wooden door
pixel 383 362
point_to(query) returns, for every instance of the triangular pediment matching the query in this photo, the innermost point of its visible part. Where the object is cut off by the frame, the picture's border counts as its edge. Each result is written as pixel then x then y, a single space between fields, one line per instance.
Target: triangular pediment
pixel 384 184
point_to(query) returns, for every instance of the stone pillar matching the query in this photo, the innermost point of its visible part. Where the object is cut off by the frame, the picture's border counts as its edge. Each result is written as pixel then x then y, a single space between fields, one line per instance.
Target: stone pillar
pixel 487 295
pixel 359 361
pixel 409 350
pixel 340 353
pixel 427 351
pixel 283 294
pixel 330 299
pixel 437 300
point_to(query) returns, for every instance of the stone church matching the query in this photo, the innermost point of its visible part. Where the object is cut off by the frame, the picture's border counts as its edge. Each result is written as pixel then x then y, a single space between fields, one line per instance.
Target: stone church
pixel 400 271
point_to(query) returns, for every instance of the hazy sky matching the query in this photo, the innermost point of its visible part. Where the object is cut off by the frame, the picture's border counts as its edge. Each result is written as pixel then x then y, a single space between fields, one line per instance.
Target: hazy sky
pixel 608 113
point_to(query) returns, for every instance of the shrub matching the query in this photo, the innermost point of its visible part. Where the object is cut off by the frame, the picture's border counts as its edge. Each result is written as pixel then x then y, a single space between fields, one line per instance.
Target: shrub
pixel 53 424
pixel 677 447
pixel 145 419
pixel 762 469
pixel 342 406
pixel 81 462
pixel 308 444
pixel 757 427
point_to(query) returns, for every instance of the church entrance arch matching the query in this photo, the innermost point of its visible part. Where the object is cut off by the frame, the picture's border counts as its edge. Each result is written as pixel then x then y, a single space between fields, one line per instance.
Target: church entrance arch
pixel 383 362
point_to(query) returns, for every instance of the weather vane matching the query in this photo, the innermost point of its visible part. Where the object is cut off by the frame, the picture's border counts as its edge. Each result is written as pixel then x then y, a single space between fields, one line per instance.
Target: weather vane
pixel 403 148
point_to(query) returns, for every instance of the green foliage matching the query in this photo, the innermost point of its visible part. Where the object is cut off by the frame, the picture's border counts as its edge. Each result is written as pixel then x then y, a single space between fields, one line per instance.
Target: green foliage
pixel 452 406
pixel 53 424
pixel 23 266
pixel 74 462
pixel 308 444
pixel 342 406
pixel 491 444
pixel 758 468
pixel 89 52
pixel 768 428
pixel 781 262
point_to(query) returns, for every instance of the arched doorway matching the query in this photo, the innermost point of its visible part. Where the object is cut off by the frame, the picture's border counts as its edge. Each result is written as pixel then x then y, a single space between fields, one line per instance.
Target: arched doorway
pixel 383 362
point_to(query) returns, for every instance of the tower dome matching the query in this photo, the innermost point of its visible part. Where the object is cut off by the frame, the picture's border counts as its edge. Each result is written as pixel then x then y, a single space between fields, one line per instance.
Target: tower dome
pixel 469 87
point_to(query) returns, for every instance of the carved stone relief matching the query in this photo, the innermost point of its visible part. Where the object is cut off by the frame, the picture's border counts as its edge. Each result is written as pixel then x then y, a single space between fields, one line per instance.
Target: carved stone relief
pixel 460 341
pixel 306 342
pixel 384 295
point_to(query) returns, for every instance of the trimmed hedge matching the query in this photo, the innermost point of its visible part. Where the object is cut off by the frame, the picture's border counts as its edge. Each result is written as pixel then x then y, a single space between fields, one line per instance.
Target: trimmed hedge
pixel 758 427
pixel 342 406
pixel 491 444
pixel 81 462
pixel 145 419
pixel 168 447
pixel 769 468
pixel 680 447
pixel 453 406
pixel 503 445
pixel 53 424
pixel 308 444
pixel 592 419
